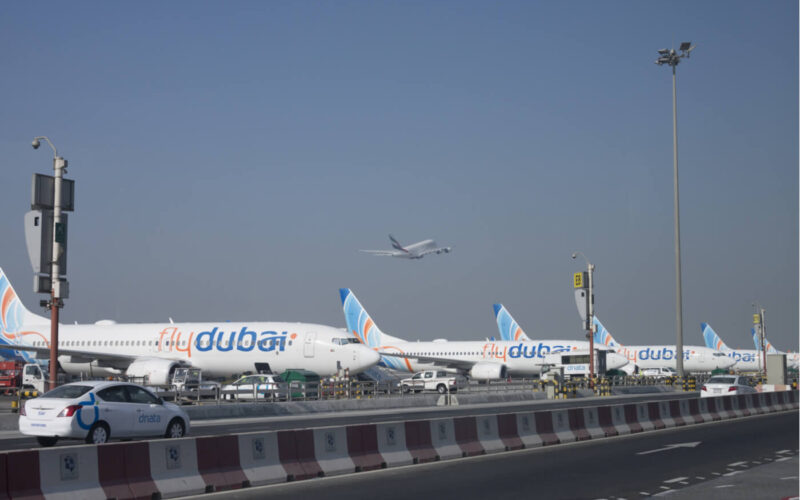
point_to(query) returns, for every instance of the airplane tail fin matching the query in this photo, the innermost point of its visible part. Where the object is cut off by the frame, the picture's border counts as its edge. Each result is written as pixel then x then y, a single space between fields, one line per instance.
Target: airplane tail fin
pixel 713 341
pixel 14 317
pixel 509 329
pixel 360 324
pixel 603 336
pixel 396 244
pixel 769 347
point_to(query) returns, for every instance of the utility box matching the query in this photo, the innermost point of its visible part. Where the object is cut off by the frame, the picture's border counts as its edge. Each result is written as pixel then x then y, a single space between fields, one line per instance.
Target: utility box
pixel 776 369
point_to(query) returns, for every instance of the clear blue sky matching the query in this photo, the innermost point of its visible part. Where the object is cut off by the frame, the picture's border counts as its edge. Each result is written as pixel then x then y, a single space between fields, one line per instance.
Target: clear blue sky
pixel 230 159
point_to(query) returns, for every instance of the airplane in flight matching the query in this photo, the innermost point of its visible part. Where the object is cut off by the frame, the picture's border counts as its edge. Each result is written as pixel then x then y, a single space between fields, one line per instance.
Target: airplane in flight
pixel 481 360
pixel 413 251
pixel 155 350
pixel 747 360
pixel 695 358
pixel 792 358
pixel 511 331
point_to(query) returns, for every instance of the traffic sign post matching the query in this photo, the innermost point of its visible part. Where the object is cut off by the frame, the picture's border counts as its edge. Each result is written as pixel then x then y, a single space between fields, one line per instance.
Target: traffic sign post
pixel 584 299
pixel 50 196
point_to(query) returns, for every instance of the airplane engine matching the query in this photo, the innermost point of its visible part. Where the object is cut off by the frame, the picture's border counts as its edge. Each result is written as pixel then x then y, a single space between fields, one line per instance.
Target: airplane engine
pixel 488 371
pixel 153 371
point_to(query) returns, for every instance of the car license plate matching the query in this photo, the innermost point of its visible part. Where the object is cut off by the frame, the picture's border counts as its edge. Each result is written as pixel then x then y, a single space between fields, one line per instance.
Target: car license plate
pixel 717 391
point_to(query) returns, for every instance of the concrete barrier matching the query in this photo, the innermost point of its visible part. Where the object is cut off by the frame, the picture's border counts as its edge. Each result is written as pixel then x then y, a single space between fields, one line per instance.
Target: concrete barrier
pixel 331 451
pixel 362 444
pixel 592 425
pixel 508 433
pixel 173 468
pixel 296 453
pixel 392 444
pixel 654 415
pixel 22 474
pixel 259 458
pixel 419 442
pixel 526 430
pixel 443 439
pixel 124 470
pixel 561 428
pixel 606 421
pixel 218 462
pixel 466 432
pixel 544 427
pixel 68 473
pixel 489 434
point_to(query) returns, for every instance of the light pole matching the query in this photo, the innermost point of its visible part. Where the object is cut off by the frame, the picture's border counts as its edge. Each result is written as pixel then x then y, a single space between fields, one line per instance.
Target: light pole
pixel 590 317
pixel 758 319
pixel 59 165
pixel 672 58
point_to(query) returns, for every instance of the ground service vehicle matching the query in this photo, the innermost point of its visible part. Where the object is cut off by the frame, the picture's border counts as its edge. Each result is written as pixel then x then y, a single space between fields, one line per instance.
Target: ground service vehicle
pixel 726 385
pixel 660 373
pixel 433 380
pixel 96 411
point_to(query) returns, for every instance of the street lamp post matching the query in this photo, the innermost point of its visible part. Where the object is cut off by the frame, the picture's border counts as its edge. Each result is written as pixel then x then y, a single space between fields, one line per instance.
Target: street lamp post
pixel 758 318
pixel 590 317
pixel 59 165
pixel 672 58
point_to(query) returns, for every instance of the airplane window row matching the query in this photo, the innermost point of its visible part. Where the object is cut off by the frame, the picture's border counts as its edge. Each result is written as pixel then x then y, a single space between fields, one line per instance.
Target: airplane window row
pixel 123 343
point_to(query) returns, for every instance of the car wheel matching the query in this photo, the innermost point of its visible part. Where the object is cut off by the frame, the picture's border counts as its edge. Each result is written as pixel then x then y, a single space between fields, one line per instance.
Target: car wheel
pixel 441 388
pixel 46 440
pixel 175 429
pixel 98 434
pixel 406 389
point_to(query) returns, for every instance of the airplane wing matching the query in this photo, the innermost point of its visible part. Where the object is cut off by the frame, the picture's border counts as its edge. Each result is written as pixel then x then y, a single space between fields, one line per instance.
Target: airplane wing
pixel 434 250
pixel 383 253
pixel 458 364
pixel 116 360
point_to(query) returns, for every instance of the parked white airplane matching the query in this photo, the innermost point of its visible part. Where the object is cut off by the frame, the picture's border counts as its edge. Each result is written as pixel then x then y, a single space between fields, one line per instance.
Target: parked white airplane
pixel 510 330
pixel 155 350
pixel 481 360
pixel 792 358
pixel 414 251
pixel 695 358
pixel 747 360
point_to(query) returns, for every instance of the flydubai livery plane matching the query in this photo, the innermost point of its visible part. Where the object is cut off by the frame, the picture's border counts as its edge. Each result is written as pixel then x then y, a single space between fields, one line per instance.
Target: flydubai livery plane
pixel 747 360
pixel 792 358
pixel 511 331
pixel 695 358
pixel 413 251
pixel 154 350
pixel 480 360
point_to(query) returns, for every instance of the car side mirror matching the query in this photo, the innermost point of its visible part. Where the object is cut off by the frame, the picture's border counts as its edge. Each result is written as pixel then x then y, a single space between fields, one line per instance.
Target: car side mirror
pixel 161 401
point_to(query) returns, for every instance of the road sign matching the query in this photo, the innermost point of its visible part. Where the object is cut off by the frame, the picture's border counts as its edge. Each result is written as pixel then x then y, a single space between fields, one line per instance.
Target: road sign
pixel 43 190
pixel 756 319
pixel 39 240
pixel 580 280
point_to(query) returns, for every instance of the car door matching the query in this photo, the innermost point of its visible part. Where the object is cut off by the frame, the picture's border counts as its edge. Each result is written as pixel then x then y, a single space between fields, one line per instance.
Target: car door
pixel 148 415
pixel 114 409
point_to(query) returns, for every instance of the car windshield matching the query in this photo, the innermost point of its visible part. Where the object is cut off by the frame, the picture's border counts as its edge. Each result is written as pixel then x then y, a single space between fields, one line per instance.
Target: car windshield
pixel 277 378
pixel 722 380
pixel 68 392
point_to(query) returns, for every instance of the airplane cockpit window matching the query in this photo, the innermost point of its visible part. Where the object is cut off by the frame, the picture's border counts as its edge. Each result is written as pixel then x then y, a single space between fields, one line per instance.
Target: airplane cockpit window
pixel 346 341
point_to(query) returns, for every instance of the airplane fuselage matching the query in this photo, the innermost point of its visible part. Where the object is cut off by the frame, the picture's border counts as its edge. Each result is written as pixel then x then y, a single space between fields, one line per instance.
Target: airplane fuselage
pixel 219 349
pixel 695 358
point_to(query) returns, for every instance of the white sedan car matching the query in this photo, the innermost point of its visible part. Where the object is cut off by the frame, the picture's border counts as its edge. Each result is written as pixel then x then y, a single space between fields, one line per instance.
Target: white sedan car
pixel 726 385
pixel 96 411
pixel 251 387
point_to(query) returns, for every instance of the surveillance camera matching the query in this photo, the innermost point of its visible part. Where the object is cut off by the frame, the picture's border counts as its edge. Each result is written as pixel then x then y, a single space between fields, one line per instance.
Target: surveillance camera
pixel 35 144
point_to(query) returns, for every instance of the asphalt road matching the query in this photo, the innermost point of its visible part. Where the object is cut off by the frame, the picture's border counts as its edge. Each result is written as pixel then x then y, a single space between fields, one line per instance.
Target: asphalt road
pixel 13 440
pixel 625 467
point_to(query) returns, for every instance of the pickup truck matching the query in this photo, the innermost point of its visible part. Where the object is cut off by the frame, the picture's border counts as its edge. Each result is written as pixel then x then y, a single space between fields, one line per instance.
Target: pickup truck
pixel 433 380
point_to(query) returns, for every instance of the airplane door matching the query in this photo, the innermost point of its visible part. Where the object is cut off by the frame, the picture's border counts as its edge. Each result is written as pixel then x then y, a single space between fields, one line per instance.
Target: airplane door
pixel 308 344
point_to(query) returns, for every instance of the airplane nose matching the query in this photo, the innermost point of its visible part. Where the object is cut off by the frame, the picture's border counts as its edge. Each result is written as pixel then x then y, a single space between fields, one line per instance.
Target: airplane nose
pixel 365 358
pixel 615 361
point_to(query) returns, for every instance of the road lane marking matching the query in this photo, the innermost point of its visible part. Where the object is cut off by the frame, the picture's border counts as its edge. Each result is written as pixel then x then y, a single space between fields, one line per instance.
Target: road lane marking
pixel 733 473
pixel 783 451
pixel 783 459
pixel 644 493
pixel 756 462
pixel 675 480
pixel 700 478
pixel 788 478
pixel 724 486
pixel 736 464
pixel 671 447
